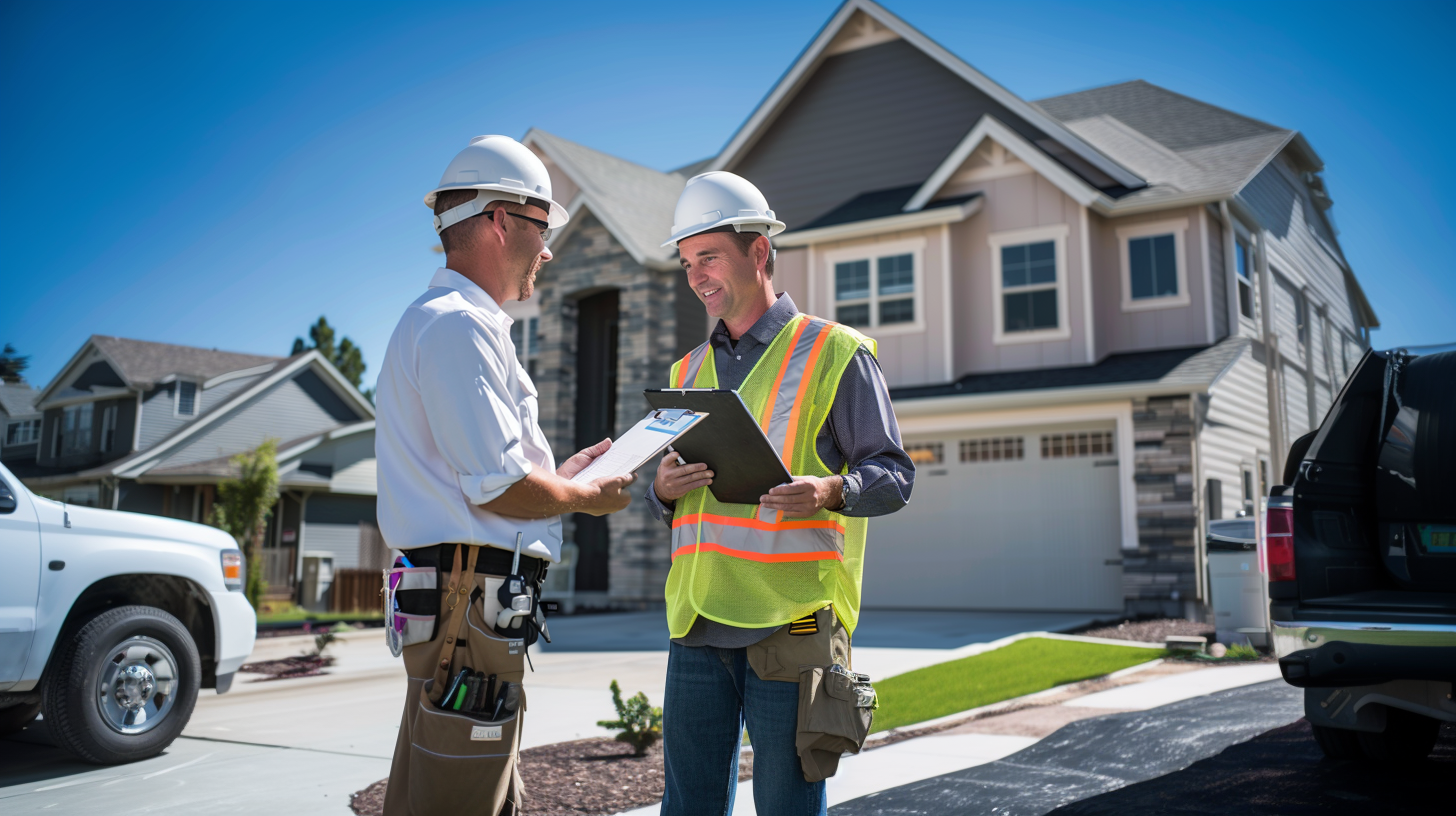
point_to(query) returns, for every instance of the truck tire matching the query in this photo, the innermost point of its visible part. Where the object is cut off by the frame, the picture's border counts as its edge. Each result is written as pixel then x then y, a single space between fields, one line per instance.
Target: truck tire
pixel 1337 743
pixel 1407 737
pixel 123 687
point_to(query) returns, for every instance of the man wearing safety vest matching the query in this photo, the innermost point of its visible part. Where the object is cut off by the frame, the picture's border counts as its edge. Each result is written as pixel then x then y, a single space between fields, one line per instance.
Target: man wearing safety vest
pixel 762 599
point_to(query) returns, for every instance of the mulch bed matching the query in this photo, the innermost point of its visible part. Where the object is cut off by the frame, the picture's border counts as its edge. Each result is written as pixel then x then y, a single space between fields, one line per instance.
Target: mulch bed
pixel 1151 631
pixel 288 667
pixel 591 776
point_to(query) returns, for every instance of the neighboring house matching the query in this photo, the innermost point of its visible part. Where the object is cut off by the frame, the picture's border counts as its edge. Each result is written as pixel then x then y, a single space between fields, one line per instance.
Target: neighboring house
pixel 19 427
pixel 1104 316
pixel 151 427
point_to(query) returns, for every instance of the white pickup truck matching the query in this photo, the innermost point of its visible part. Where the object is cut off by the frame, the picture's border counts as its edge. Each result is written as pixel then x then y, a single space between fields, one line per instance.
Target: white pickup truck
pixel 111 622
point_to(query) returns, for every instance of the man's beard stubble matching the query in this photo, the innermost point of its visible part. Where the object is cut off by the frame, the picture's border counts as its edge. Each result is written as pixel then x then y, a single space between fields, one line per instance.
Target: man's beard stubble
pixel 528 281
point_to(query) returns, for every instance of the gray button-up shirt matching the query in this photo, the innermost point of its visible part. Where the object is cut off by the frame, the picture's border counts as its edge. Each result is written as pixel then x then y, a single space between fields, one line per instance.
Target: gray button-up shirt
pixel 860 431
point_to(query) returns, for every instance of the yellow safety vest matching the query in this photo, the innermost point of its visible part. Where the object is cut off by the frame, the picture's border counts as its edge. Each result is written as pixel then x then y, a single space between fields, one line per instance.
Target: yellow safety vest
pixel 746 566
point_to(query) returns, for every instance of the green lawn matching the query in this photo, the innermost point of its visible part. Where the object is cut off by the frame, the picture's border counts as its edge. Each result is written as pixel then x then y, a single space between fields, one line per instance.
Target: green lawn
pixel 274 612
pixel 1023 667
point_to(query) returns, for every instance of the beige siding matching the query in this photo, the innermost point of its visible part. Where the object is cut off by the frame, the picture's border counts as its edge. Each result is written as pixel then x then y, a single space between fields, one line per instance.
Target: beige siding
pixel 1235 430
pixel 1013 203
pixel 791 275
pixel 909 355
pixel 1172 327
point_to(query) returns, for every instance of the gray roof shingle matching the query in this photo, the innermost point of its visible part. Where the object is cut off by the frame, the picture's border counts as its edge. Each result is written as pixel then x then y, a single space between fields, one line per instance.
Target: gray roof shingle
pixel 17 400
pixel 635 202
pixel 143 363
pixel 1179 144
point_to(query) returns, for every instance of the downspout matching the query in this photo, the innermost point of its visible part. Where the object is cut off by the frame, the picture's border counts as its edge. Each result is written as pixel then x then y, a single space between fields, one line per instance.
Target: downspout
pixel 1200 510
pixel 1311 401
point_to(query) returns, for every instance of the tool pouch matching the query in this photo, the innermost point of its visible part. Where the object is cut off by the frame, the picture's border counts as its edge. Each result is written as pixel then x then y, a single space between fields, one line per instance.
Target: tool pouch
pixel 836 708
pixel 816 640
pixel 461 762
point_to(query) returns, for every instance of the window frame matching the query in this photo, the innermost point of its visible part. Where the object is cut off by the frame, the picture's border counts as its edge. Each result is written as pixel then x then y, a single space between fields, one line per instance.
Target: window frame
pixel 108 427
pixel 872 253
pixel 177 399
pixel 1178 228
pixel 1057 234
pixel 80 438
pixel 1242 282
pixel 20 425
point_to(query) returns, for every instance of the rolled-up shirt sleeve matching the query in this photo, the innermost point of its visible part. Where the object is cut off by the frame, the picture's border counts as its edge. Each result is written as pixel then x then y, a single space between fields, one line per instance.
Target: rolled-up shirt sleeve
pixel 466 382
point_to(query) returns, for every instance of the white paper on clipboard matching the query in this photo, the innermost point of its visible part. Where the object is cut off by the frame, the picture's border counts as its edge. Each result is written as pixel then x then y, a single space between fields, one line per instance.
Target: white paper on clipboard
pixel 645 441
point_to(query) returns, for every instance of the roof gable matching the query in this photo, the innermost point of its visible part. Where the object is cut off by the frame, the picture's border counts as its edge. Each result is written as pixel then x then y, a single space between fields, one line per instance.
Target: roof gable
pixel 142 364
pixel 862 25
pixel 633 202
pixel 989 129
pixel 18 400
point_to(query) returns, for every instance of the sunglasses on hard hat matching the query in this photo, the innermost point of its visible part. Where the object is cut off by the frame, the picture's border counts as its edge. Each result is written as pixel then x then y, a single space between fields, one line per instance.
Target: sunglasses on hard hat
pixel 545 227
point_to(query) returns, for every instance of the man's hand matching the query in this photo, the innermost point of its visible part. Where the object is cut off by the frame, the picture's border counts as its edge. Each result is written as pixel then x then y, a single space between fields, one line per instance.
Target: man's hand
pixel 612 496
pixel 582 458
pixel 805 496
pixel 675 481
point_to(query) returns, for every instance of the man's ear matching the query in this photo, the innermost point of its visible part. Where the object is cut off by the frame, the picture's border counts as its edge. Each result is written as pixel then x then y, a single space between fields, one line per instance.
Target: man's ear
pixel 495 226
pixel 761 249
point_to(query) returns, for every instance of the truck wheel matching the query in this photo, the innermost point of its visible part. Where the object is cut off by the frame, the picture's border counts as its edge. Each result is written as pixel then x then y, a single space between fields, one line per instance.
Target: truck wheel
pixel 1338 743
pixel 123 687
pixel 16 717
pixel 1406 737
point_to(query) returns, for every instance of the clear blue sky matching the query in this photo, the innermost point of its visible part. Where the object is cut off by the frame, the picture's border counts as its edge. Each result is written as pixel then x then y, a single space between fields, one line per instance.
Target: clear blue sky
pixel 220 174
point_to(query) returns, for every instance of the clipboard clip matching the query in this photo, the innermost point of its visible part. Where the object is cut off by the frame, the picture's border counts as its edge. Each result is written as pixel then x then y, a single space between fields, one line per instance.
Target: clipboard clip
pixel 672 414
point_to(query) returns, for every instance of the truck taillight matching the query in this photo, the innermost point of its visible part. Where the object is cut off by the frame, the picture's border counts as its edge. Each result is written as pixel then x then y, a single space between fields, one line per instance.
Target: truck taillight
pixel 232 569
pixel 1279 539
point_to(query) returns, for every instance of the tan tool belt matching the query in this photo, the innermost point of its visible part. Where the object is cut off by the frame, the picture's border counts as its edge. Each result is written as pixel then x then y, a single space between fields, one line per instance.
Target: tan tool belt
pixel 836 706
pixel 460 762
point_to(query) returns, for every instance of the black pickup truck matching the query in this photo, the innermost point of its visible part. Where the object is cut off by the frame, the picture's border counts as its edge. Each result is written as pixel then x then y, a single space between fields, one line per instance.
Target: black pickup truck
pixel 1361 553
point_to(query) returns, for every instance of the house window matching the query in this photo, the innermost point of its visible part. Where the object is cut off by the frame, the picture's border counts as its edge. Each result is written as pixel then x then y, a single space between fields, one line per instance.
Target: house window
pixel 926 453
pixel 1070 445
pixel 74 432
pixel 1244 265
pixel 1153 266
pixel 1029 287
pixel 998 449
pixel 186 399
pixel 1301 319
pixel 108 428
pixel 878 294
pixel 1247 479
pixel 23 432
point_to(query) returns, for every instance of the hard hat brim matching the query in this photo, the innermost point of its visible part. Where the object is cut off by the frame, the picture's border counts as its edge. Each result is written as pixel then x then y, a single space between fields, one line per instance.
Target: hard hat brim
pixel 557 215
pixel 774 227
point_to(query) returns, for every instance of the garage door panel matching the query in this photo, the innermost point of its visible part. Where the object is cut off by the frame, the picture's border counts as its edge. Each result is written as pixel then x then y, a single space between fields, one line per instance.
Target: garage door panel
pixel 1029 534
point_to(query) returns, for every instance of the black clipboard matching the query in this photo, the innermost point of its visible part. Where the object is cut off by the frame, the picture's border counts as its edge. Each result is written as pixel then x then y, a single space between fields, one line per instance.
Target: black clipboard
pixel 729 441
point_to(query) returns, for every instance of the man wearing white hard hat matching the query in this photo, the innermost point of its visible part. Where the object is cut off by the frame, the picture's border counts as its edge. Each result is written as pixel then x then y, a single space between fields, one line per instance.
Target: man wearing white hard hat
pixel 762 599
pixel 469 492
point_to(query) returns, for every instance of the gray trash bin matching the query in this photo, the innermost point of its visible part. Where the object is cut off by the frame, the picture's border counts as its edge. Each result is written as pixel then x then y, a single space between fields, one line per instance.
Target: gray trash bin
pixel 1237 584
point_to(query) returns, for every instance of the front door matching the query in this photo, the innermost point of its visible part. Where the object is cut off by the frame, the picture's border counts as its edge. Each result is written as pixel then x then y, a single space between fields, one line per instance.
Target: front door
pixel 20 577
pixel 596 419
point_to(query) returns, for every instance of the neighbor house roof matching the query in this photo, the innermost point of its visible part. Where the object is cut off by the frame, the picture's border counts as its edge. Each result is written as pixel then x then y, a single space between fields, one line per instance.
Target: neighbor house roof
pixel 634 202
pixel 18 400
pixel 143 363
pixel 1181 145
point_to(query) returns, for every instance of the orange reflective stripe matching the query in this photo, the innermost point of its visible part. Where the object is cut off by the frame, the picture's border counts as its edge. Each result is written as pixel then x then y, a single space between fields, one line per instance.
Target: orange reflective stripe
pixel 682 369
pixel 778 381
pixel 753 556
pixel 804 379
pixel 755 524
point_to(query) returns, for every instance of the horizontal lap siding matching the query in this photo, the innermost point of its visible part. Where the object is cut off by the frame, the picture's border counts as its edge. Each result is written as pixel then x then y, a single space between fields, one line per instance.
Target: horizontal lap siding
pixel 339 540
pixel 158 406
pixel 1235 429
pixel 871 119
pixel 285 412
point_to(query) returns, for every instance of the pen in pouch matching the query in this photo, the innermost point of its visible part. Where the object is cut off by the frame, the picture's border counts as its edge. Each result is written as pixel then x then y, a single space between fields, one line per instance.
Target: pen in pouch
pixel 477 690
pixel 500 700
pixel 487 700
pixel 453 689
pixel 463 690
pixel 472 688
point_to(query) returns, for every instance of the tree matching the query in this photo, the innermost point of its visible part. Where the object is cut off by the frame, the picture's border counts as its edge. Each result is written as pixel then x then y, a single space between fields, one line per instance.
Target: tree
pixel 12 364
pixel 640 721
pixel 345 356
pixel 244 504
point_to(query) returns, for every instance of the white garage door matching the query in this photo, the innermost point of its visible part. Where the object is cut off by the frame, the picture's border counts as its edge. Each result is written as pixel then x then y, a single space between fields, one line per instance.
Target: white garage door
pixel 1012 521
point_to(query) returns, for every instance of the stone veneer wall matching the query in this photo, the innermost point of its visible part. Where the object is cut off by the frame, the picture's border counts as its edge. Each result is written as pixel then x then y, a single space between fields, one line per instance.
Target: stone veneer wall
pixel 1160 578
pixel 588 262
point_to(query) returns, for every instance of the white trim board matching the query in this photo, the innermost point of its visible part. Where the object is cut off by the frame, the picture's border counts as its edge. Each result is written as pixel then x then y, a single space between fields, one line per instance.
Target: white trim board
pixel 989 127
pixel 1178 228
pixel 1057 234
pixel 900 222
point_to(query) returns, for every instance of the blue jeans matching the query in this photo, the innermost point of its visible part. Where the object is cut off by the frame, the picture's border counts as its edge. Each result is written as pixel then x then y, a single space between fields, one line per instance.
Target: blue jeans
pixel 711 693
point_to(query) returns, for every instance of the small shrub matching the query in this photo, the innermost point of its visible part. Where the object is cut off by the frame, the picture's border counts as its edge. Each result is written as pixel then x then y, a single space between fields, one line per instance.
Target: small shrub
pixel 323 639
pixel 639 721
pixel 1242 651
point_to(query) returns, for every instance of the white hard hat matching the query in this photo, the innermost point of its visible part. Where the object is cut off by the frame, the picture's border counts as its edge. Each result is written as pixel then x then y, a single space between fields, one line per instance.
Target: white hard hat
pixel 721 199
pixel 502 169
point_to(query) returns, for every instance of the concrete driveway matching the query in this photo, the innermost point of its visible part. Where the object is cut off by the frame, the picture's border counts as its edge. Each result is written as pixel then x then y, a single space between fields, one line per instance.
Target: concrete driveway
pixel 301 746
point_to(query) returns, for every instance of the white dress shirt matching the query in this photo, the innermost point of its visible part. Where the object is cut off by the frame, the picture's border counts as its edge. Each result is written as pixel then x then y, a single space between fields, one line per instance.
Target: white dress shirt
pixel 458 423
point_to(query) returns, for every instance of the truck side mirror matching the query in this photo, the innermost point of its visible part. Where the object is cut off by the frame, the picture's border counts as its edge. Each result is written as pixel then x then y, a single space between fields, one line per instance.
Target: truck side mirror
pixel 7 499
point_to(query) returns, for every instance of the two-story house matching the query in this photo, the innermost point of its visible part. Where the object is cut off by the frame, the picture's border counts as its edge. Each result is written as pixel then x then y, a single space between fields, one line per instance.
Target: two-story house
pixel 1104 316
pixel 19 427
pixel 152 427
